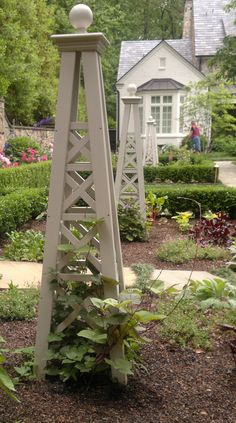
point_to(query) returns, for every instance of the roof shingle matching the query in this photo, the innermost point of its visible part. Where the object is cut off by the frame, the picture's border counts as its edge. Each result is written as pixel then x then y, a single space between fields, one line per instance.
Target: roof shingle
pixel 211 24
pixel 133 51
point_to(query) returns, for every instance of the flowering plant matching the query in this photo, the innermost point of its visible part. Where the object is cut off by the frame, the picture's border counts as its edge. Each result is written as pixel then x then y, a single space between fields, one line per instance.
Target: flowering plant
pixel 5 161
pixel 32 156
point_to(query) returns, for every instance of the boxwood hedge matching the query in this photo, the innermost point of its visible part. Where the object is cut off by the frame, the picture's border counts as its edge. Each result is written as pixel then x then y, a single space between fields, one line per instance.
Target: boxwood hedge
pixel 184 173
pixel 35 175
pixel 20 206
pixel 186 197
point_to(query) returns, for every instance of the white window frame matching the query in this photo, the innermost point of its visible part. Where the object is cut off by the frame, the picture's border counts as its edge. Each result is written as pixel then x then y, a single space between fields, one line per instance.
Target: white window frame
pixel 181 117
pixel 161 105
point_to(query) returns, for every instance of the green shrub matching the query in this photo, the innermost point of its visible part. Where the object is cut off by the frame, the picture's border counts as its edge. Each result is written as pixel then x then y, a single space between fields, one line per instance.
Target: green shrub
pixel 143 272
pixel 194 158
pixel 19 207
pixel 35 175
pixel 25 246
pixel 132 226
pixel 18 304
pixel 177 173
pixel 184 250
pixel 184 197
pixel 226 145
pixel 15 146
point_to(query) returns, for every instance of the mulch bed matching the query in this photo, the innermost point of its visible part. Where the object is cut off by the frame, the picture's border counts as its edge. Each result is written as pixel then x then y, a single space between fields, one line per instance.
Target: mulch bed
pixel 180 386
pixel 162 230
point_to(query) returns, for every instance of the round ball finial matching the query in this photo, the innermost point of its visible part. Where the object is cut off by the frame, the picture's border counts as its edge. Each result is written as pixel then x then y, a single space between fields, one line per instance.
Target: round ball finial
pixel 132 88
pixel 81 17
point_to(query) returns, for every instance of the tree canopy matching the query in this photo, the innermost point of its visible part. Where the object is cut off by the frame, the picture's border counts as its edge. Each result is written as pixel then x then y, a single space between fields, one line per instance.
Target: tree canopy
pixel 29 61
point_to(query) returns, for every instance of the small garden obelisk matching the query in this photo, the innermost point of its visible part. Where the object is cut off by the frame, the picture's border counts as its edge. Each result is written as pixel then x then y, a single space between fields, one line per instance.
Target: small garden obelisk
pixel 129 184
pixel 81 210
pixel 150 153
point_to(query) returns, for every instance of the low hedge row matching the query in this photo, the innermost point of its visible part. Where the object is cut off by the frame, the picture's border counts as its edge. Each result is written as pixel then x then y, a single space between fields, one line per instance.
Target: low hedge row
pixel 35 175
pixel 20 206
pixel 185 173
pixel 183 198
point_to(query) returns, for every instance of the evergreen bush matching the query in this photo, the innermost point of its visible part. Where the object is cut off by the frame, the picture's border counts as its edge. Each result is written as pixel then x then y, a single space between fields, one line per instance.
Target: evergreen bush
pixel 20 206
pixel 226 145
pixel 35 175
pixel 185 197
pixel 184 173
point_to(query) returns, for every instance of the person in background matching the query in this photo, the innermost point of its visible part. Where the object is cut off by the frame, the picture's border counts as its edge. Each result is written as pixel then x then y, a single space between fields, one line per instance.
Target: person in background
pixel 195 135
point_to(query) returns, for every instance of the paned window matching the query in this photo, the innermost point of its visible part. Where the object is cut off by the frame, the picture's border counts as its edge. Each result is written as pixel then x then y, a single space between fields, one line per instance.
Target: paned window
pixel 161 111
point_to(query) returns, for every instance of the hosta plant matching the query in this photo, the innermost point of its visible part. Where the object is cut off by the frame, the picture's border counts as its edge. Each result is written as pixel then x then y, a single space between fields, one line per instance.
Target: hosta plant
pixel 216 293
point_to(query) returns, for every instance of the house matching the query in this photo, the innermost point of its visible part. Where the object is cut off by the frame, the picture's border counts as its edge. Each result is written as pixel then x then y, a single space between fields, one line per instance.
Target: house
pixel 162 68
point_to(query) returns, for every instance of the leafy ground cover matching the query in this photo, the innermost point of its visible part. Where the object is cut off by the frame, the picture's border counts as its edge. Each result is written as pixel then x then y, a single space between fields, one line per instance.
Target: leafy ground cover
pixel 188 376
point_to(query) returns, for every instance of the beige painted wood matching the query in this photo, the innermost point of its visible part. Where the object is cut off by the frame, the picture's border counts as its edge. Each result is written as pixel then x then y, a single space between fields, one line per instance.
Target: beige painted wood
pixel 150 154
pixel 129 183
pixel 69 63
pixel 68 186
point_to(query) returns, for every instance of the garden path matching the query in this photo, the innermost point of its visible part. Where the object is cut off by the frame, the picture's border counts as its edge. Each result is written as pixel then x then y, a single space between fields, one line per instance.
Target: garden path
pixel 227 173
pixel 26 275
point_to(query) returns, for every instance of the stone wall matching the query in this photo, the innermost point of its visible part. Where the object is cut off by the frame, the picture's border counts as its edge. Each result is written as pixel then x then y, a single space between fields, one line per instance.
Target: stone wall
pixel 44 136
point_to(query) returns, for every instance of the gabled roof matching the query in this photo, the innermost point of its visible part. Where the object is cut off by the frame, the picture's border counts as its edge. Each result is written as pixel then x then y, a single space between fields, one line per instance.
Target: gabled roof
pixel 211 24
pixel 160 84
pixel 133 51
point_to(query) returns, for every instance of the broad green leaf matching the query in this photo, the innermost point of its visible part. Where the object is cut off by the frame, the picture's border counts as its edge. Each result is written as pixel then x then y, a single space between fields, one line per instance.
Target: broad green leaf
pixel 134 295
pixel 6 380
pixel 156 286
pixel 93 335
pixel 55 337
pixel 109 281
pixel 2 359
pixel 120 364
pixel 97 302
pixel 144 316
pixel 232 302
pixel 117 319
pixel 111 302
